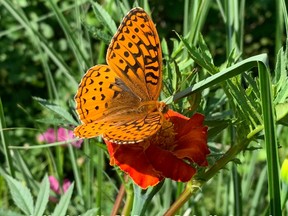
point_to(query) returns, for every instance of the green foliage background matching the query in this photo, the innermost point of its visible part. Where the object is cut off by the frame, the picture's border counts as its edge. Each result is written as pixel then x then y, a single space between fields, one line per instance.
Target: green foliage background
pixel 28 69
pixel 22 70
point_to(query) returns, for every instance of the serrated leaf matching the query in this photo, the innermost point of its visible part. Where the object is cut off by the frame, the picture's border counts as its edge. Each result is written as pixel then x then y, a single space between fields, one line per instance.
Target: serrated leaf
pixel 204 49
pixel 219 126
pixel 90 212
pixel 62 206
pixel 280 71
pixel 282 93
pixel 21 195
pixel 43 197
pixel 280 78
pixel 53 121
pixel 200 56
pixel 237 161
pixel 104 18
pixel 282 113
pixel 5 212
pixel 101 35
pixel 56 109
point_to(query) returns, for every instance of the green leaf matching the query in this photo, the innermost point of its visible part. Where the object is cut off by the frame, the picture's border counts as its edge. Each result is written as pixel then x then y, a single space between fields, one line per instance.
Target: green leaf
pixel 43 197
pixel 280 78
pixel 280 68
pixel 62 206
pixel 72 40
pixel 5 212
pixel 90 212
pixel 219 77
pixel 270 139
pixel 100 34
pixel 142 198
pixel 282 113
pixel 21 195
pixel 200 55
pixel 5 141
pixel 218 126
pixel 205 51
pixel 52 121
pixel 104 18
pixel 56 109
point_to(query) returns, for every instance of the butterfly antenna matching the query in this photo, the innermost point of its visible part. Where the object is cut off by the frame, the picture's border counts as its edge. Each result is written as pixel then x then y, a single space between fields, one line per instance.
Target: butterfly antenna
pixel 189 75
pixel 179 86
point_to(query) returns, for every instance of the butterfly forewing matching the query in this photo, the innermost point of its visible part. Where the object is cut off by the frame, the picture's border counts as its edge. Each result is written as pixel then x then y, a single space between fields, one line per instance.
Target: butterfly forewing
pixel 101 95
pixel 119 100
pixel 135 54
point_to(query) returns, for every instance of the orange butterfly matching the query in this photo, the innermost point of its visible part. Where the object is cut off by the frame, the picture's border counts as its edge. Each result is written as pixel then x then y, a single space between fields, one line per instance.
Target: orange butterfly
pixel 119 100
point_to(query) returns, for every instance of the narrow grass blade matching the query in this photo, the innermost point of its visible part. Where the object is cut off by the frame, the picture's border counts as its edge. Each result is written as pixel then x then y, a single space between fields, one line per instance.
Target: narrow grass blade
pixel 258 192
pixel 42 198
pixel 5 141
pixel 220 76
pixel 62 206
pixel 270 141
pixel 104 18
pixel 91 212
pixel 27 24
pixel 69 34
pixel 76 173
pixel 99 177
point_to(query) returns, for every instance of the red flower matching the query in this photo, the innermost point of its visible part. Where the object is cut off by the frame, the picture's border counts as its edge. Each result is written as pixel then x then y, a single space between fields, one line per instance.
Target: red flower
pixel 168 154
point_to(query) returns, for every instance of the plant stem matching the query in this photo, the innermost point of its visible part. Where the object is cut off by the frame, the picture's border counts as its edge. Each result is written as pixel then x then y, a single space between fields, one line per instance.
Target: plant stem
pixel 190 189
pixel 5 142
pixel 129 201
pixel 195 184
pixel 118 200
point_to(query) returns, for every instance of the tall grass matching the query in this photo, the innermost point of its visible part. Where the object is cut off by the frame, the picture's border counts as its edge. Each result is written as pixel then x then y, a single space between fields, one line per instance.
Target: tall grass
pixel 243 98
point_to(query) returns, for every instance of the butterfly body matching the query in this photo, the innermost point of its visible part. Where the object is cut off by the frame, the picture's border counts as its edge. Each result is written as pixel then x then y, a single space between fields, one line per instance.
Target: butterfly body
pixel 119 100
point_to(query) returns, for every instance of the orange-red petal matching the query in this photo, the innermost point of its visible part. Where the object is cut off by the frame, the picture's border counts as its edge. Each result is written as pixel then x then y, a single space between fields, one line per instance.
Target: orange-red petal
pixel 133 161
pixel 177 119
pixel 191 137
pixel 169 165
pixel 148 163
pixel 193 146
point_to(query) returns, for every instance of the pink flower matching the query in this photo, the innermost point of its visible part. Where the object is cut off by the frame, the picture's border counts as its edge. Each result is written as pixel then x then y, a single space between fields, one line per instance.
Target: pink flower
pixel 54 186
pixel 62 134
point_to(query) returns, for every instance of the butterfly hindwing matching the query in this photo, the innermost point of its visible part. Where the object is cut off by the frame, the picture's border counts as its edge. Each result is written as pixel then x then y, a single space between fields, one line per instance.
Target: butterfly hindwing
pixel 119 100
pixel 136 130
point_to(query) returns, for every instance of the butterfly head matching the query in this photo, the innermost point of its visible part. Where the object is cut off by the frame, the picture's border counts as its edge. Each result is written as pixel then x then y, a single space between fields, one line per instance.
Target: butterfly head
pixel 162 107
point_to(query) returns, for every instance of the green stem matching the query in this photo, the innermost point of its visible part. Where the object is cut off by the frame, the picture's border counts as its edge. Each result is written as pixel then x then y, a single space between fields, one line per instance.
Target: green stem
pixel 270 141
pixel 269 129
pixel 100 155
pixel 5 142
pixel 76 172
pixel 190 189
pixel 195 184
pixel 129 201
pixel 88 174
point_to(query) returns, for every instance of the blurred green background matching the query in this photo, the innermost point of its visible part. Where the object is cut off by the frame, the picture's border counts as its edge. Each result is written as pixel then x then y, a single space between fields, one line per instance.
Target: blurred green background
pixel 21 70
pixel 49 68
